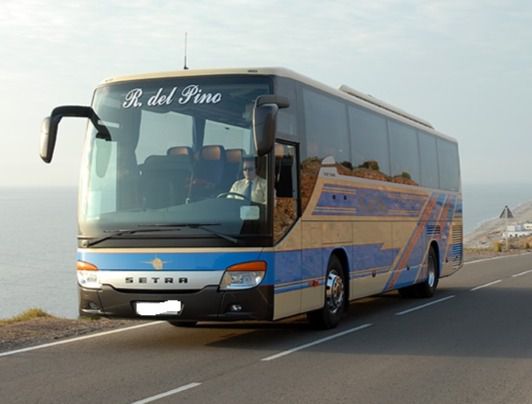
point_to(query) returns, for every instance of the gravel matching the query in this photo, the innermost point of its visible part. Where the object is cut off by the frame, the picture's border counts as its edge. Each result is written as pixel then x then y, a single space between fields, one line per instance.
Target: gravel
pixel 44 330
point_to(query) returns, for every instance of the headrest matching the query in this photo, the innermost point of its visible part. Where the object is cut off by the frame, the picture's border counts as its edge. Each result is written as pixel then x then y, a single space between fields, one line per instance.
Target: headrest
pixel 154 162
pixel 212 152
pixel 279 150
pixel 179 151
pixel 234 155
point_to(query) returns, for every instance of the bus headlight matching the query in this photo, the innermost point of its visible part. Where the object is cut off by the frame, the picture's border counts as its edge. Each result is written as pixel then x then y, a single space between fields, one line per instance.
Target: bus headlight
pixel 88 275
pixel 243 276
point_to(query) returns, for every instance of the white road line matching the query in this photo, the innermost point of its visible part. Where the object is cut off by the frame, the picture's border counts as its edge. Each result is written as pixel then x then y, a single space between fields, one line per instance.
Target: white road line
pixel 522 273
pixel 67 341
pixel 319 341
pixel 486 285
pixel 168 393
pixel 485 259
pixel 423 306
pixel 496 258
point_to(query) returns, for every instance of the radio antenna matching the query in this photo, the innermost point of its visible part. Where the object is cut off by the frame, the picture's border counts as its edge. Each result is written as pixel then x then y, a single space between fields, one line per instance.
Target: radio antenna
pixel 185 67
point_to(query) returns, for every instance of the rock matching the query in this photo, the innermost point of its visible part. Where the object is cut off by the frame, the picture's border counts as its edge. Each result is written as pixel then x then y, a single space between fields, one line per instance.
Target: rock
pixel 485 235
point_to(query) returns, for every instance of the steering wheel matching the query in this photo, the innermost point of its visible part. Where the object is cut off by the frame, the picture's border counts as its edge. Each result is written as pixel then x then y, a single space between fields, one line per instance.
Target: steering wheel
pixel 239 196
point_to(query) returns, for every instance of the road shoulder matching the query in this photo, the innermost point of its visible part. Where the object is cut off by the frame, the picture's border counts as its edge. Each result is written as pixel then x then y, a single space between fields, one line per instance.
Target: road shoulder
pixel 50 329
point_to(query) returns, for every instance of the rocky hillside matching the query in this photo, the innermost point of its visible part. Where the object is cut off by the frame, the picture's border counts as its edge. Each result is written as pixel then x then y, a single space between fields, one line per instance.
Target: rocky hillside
pixel 487 234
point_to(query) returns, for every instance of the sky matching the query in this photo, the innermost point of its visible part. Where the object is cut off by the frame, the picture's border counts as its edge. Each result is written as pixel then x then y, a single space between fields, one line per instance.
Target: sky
pixel 465 66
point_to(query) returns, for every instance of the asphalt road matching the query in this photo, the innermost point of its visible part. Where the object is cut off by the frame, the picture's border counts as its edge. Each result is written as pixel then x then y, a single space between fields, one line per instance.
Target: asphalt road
pixel 471 343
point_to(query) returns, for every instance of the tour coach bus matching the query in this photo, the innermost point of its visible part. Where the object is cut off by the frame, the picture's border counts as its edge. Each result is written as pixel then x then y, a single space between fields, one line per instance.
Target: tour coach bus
pixel 256 194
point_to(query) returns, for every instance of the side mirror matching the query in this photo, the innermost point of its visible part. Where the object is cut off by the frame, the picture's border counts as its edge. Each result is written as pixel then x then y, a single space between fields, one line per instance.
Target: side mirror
pixel 279 100
pixel 265 121
pixel 48 136
pixel 51 123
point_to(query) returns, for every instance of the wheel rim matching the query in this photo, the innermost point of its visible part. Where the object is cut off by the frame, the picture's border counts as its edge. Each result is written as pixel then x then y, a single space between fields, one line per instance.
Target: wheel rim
pixel 431 279
pixel 334 292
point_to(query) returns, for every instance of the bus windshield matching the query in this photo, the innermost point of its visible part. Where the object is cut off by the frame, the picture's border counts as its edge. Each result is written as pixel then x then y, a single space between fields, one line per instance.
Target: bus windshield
pixel 180 158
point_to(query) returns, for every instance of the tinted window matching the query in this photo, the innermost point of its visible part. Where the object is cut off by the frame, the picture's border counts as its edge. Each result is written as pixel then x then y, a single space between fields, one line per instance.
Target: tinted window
pixel 229 136
pixel 166 130
pixel 369 139
pixel 287 117
pixel 429 160
pixel 404 151
pixel 286 189
pixel 325 127
pixel 146 175
pixel 449 165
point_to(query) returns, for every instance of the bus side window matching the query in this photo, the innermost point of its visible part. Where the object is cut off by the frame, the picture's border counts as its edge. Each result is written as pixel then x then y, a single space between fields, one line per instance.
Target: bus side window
pixel 285 212
pixel 287 117
pixel 284 164
pixel 449 165
pixel 326 128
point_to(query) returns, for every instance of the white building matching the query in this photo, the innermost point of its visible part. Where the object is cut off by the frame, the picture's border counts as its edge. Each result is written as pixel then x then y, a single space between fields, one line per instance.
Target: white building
pixel 517 230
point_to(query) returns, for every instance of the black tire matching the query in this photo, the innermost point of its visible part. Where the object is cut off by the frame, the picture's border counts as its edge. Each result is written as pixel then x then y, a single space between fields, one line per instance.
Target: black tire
pixel 176 323
pixel 427 288
pixel 334 300
pixel 409 292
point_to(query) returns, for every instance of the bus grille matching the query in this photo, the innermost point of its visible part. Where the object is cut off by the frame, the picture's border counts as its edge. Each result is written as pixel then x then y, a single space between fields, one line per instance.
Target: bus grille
pixel 457 252
pixel 159 291
pixel 457 234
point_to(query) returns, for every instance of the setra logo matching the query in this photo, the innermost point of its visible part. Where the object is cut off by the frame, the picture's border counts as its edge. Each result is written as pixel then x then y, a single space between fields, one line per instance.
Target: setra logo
pixel 154 280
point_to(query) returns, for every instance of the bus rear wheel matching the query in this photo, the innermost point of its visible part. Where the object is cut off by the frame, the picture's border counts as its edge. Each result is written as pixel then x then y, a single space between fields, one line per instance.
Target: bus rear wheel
pixel 427 288
pixel 335 298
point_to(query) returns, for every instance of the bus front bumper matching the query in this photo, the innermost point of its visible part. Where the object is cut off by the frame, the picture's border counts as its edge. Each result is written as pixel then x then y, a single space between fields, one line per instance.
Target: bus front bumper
pixel 207 304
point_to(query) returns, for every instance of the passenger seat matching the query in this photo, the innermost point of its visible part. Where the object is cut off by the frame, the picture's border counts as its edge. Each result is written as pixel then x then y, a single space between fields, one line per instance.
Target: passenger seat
pixel 233 167
pixel 165 180
pixel 208 173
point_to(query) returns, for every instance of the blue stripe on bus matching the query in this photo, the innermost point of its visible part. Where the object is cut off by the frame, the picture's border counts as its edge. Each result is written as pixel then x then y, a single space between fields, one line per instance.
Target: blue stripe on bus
pixel 413 251
pixel 347 201
pixel 407 277
pixel 204 261
pixel 288 266
pixel 458 210
pixel 299 286
pixel 371 256
pixel 313 262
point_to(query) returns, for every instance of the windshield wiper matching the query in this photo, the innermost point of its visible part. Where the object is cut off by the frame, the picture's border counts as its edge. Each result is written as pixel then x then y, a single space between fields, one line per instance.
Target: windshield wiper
pixel 203 226
pixel 122 232
pixel 162 228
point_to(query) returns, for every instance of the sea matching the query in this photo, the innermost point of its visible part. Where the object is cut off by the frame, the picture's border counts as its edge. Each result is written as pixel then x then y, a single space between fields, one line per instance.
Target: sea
pixel 38 228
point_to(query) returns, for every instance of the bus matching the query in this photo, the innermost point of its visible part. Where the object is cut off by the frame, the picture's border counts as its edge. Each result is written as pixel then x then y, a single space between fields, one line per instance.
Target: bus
pixel 256 194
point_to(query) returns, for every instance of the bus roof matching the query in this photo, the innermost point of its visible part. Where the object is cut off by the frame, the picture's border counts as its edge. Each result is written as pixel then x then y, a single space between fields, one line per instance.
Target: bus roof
pixel 343 91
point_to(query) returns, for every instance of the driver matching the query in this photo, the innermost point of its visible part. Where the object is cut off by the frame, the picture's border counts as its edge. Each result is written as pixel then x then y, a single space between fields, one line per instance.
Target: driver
pixel 251 186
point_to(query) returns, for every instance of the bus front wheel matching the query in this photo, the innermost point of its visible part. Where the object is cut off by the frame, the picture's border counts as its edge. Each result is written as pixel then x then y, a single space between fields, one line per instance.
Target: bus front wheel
pixel 335 298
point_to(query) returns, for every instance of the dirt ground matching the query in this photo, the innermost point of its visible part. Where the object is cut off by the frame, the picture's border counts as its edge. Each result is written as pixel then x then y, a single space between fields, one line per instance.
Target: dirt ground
pixel 49 329
pixel 44 330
